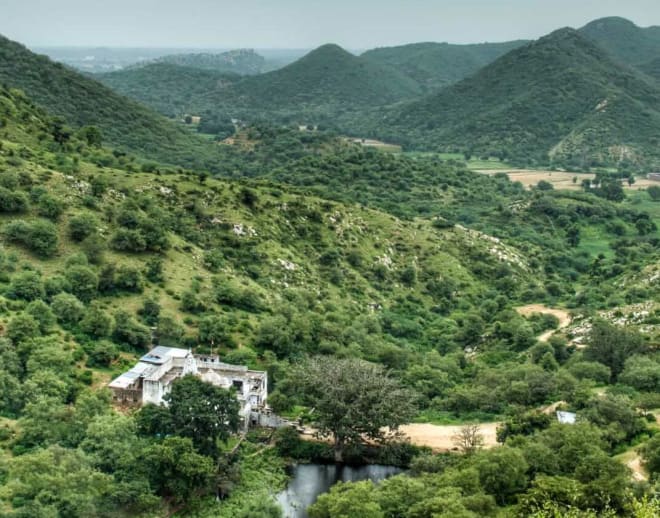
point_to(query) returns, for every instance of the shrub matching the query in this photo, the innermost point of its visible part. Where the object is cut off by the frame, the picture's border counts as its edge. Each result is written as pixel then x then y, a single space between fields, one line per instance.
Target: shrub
pixel 84 282
pixel 96 323
pixel 103 354
pixel 130 332
pixel 12 202
pixel 38 236
pixel 67 308
pixel 128 278
pixel 26 286
pixel 22 327
pixel 42 314
pixel 82 226
pixel 128 240
pixel 50 207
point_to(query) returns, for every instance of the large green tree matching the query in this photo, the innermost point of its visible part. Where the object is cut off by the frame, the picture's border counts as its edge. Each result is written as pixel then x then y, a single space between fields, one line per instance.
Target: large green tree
pixel 200 411
pixel 352 399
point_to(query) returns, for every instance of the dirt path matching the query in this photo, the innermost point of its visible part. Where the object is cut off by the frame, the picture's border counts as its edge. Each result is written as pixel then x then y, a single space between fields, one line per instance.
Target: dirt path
pixel 563 316
pixel 439 437
pixel 635 465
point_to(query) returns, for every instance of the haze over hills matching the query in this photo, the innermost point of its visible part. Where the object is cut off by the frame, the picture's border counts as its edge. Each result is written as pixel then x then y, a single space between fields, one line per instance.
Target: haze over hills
pixel 560 96
pixel 239 61
pixel 434 65
pixel 82 101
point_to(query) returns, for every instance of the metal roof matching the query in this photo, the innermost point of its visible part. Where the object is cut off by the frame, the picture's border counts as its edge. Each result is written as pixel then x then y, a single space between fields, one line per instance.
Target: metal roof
pixel 159 355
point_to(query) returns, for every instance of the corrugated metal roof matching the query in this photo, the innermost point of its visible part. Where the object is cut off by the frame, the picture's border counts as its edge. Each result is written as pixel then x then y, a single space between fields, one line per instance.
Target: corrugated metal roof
pixel 159 355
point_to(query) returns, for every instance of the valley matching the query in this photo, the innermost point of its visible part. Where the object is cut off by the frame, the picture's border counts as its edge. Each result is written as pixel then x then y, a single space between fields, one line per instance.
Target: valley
pixel 456 242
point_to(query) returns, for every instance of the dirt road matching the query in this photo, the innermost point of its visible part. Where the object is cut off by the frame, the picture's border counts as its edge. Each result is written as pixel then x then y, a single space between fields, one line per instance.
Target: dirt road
pixel 439 437
pixel 563 316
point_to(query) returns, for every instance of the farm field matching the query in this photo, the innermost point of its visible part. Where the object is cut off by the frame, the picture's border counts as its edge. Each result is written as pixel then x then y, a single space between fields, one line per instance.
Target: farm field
pixel 559 179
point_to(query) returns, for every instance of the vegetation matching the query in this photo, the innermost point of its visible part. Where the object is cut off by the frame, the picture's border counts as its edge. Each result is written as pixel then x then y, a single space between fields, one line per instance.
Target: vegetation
pixel 560 99
pixel 436 65
pixel 375 288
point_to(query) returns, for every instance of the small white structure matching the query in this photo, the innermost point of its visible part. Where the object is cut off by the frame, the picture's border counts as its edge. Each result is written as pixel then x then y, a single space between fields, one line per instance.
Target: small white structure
pixel 565 417
pixel 151 379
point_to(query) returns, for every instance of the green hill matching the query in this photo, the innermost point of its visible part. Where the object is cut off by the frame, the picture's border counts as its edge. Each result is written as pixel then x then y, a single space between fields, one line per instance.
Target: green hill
pixel 560 98
pixel 96 258
pixel 170 89
pixel 83 101
pixel 651 68
pixel 623 39
pixel 240 61
pixel 434 65
pixel 321 87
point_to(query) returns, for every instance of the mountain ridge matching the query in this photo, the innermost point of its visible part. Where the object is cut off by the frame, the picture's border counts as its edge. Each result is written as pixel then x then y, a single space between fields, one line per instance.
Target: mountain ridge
pixel 533 98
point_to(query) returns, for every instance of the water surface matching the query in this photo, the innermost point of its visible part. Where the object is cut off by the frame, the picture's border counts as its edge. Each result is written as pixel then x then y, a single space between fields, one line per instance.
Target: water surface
pixel 308 481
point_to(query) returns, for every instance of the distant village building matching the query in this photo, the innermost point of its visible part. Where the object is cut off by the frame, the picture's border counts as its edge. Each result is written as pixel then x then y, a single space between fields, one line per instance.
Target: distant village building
pixel 152 377
pixel 654 176
pixel 565 417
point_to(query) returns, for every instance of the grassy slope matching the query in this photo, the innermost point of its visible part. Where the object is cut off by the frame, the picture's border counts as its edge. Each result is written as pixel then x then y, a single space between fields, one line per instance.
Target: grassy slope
pixel 281 227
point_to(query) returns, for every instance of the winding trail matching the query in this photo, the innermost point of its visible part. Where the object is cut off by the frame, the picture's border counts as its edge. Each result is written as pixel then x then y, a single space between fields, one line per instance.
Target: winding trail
pixel 563 316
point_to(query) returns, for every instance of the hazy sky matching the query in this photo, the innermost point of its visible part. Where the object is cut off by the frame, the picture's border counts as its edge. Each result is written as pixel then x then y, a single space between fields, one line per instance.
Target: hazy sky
pixel 354 24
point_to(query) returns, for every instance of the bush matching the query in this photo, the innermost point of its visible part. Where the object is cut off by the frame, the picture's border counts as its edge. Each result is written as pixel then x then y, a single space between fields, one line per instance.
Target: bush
pixel 38 236
pixel 128 240
pixel 591 370
pixel 82 226
pixel 22 327
pixel 96 323
pixel 50 207
pixel 12 202
pixel 128 278
pixel 42 314
pixel 103 354
pixel 68 308
pixel 128 331
pixel 26 286
pixel 84 282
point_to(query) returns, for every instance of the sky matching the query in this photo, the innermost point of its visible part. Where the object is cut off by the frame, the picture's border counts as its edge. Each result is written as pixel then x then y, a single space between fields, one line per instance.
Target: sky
pixel 355 24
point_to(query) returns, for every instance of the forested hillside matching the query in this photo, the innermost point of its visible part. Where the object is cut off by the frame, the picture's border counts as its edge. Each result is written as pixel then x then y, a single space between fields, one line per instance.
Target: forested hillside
pixel 409 312
pixel 624 40
pixel 435 65
pixel 169 88
pixel 82 101
pixel 93 256
pixel 560 99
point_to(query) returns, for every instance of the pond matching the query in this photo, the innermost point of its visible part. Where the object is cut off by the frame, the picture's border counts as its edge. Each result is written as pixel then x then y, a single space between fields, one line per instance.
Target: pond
pixel 308 481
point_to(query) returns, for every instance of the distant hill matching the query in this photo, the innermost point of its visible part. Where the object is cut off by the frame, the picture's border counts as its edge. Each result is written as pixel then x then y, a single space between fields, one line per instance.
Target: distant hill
pixel 240 61
pixel 560 97
pixel 320 87
pixel 168 88
pixel 83 101
pixel 434 65
pixel 325 81
pixel 623 39
pixel 652 68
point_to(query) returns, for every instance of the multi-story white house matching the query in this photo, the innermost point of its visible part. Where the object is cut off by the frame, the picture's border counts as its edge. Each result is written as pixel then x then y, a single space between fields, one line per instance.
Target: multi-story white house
pixel 151 379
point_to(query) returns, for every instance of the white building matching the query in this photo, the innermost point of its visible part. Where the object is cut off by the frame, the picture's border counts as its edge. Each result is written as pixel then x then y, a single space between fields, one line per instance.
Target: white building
pixel 151 379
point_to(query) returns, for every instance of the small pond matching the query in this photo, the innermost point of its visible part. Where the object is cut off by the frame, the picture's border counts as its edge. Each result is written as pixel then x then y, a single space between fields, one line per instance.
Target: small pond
pixel 308 481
